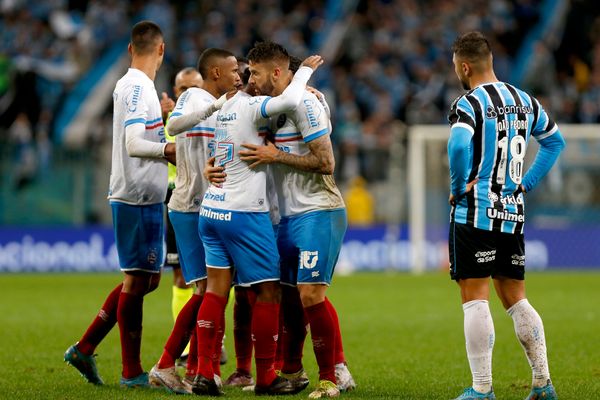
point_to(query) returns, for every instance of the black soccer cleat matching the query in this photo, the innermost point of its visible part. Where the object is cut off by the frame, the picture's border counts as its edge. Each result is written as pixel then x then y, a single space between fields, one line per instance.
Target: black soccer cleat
pixel 206 387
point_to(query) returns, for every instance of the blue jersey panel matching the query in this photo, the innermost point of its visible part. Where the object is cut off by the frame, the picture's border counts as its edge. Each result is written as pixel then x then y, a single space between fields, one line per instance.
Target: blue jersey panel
pixel 310 245
pixel 242 239
pixel 139 236
pixel 189 245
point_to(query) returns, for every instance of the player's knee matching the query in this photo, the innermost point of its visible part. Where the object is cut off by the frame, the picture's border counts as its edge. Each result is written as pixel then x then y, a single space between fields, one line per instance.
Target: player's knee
pixel 153 284
pixel 269 292
pixel 311 294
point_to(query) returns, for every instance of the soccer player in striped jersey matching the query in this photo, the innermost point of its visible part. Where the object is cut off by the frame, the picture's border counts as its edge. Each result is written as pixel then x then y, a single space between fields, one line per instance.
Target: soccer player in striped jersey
pixel 312 226
pixel 193 122
pixel 138 187
pixel 490 127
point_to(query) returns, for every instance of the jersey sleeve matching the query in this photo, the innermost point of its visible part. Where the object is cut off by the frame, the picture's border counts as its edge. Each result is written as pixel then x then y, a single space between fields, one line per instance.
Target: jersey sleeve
pixel 256 108
pixel 311 118
pixel 462 114
pixel 543 125
pixel 136 109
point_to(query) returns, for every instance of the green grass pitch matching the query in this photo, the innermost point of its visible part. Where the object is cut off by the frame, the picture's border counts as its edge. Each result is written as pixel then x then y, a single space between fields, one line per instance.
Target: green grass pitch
pixel 403 336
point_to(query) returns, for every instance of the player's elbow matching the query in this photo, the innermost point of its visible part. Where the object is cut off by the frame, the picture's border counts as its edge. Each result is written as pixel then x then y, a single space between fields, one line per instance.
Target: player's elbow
pixel 327 166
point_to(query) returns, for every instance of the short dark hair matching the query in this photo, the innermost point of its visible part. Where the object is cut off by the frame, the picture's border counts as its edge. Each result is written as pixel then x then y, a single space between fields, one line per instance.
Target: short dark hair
pixel 207 58
pixel 295 63
pixel 472 46
pixel 144 37
pixel 268 51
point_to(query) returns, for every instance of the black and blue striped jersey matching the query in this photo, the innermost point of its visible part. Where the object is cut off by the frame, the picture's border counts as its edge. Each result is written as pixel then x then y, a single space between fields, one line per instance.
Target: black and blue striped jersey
pixel 490 129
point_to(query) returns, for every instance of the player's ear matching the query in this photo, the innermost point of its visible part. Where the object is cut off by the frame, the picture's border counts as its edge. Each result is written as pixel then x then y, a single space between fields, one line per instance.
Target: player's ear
pixel 466 68
pixel 161 49
pixel 130 49
pixel 216 72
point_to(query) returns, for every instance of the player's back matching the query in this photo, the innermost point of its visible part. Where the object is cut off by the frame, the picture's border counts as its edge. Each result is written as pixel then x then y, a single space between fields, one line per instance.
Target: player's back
pixel 502 118
pixel 193 147
pixel 137 180
pixel 245 188
pixel 301 191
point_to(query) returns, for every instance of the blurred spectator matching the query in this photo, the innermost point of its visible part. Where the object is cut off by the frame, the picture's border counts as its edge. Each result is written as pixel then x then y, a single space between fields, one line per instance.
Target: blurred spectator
pixel 360 204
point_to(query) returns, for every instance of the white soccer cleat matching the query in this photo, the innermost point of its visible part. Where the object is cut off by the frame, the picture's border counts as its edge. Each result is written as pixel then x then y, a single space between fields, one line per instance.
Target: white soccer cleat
pixel 168 379
pixel 344 379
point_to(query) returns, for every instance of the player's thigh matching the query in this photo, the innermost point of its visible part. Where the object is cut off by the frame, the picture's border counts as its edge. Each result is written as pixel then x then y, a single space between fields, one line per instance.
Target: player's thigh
pixel 216 253
pixel 139 236
pixel 288 253
pixel 189 245
pixel 250 240
pixel 319 240
pixel 472 252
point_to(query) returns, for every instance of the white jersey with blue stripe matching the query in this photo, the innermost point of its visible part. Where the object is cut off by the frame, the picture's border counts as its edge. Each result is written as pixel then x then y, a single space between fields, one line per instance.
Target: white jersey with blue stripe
pixel 193 148
pixel 494 121
pixel 242 119
pixel 137 180
pixel 299 191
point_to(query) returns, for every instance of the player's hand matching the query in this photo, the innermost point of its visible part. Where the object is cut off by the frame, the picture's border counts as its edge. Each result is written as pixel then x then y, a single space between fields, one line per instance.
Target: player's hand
pixel 452 200
pixel 315 92
pixel 215 175
pixel 312 62
pixel 170 153
pixel 166 105
pixel 257 155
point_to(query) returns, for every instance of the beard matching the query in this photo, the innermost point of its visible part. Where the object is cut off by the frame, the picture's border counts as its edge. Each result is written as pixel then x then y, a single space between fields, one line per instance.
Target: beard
pixel 266 89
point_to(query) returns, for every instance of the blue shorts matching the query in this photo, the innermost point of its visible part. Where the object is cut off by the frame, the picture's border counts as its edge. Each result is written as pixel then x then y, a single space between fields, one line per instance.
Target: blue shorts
pixel 189 245
pixel 310 245
pixel 139 236
pixel 241 239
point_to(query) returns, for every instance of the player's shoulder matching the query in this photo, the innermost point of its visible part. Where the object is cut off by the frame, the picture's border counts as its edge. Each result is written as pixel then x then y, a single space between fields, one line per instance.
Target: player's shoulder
pixel 200 94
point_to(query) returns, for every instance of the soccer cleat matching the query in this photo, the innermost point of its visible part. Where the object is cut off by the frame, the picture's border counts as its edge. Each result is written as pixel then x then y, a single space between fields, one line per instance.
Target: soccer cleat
pixel 544 393
pixel 324 389
pixel 279 386
pixel 205 386
pixel 239 379
pixel 86 365
pixel 344 379
pixel 472 394
pixel 298 379
pixel 140 381
pixel 168 379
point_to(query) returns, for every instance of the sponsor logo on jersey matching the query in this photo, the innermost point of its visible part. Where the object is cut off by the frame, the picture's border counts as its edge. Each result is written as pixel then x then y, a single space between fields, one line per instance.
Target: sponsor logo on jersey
pixel 308 259
pixel 281 120
pixel 505 110
pixel 220 216
pixel 490 113
pixel 214 196
pixel 135 98
pixel 505 200
pixel 227 117
pixel 504 215
pixel 311 116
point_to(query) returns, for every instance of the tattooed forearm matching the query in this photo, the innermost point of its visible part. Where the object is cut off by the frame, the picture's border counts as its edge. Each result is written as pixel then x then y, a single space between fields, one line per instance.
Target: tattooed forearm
pixel 319 160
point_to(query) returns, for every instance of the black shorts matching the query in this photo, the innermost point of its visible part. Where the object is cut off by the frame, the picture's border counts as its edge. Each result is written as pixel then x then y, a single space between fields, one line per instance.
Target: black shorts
pixel 477 253
pixel 172 255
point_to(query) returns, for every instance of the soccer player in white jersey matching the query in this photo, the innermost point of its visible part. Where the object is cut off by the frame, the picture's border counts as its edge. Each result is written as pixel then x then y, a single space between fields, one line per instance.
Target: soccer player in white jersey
pixel 193 123
pixel 313 222
pixel 138 187
pixel 236 230
pixel 491 125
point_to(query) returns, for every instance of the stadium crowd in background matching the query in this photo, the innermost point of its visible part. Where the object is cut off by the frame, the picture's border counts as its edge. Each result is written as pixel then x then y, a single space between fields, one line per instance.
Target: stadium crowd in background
pixel 389 71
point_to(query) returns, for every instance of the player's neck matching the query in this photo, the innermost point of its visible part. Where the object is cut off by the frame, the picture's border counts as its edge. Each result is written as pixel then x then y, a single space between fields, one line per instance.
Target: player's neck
pixel 483 78
pixel 145 64
pixel 212 88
